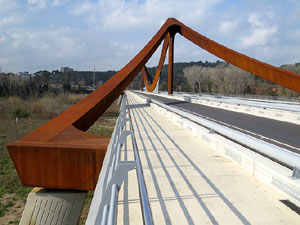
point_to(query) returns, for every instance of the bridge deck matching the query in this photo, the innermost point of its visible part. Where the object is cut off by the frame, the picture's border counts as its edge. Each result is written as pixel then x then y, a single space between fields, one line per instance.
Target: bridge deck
pixel 188 183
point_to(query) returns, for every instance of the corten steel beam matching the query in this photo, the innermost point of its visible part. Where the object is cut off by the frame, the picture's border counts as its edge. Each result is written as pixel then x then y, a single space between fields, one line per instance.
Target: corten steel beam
pixel 149 78
pixel 266 71
pixel 170 65
pixel 145 73
pixel 60 155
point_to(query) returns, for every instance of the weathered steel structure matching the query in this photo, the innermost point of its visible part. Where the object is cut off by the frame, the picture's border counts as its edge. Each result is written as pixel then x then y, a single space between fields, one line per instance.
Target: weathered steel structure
pixel 60 154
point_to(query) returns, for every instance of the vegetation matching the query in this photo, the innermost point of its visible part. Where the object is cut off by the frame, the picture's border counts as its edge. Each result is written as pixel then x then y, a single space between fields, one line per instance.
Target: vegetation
pixel 32 113
pixel 211 77
pixel 229 80
pixel 219 78
pixel 292 67
pixel 180 82
pixel 56 82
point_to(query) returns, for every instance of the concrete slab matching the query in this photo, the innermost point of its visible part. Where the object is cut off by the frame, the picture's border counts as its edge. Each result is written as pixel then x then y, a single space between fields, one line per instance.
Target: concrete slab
pixel 269 172
pixel 47 207
pixel 189 183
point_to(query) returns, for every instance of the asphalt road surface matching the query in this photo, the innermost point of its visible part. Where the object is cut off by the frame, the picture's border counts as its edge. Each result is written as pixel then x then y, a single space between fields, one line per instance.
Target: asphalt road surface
pixel 283 134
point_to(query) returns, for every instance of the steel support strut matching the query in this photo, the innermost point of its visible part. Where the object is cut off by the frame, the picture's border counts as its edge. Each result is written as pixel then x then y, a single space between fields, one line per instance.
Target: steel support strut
pixel 170 65
pixel 142 83
pixel 146 76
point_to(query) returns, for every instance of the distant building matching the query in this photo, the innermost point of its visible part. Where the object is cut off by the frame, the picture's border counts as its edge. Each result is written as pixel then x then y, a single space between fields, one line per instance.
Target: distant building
pixel 66 69
pixel 55 72
pixel 24 75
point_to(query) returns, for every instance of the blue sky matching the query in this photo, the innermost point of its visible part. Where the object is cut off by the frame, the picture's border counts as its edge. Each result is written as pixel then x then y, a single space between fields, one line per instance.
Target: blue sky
pixel 49 34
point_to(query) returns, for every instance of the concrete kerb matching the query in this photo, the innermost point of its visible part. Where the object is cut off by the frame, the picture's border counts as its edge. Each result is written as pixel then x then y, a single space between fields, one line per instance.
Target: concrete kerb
pixel 269 172
pixel 256 111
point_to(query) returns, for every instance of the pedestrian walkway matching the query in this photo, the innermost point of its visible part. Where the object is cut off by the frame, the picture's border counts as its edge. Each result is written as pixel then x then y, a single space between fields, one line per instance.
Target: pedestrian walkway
pixel 189 183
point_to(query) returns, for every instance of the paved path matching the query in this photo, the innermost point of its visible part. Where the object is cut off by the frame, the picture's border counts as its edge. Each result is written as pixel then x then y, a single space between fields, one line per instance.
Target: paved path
pixel 282 134
pixel 189 183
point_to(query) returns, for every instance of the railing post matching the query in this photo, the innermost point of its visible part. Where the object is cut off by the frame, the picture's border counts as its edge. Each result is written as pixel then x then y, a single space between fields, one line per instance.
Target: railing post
pixel 170 65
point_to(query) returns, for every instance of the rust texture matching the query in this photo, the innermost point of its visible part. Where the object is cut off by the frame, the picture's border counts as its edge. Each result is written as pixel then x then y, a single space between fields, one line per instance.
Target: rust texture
pixel 145 74
pixel 170 65
pixel 142 83
pixel 266 71
pixel 60 155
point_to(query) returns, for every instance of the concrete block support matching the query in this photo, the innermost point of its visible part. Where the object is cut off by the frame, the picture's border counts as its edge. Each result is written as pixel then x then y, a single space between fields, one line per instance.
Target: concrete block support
pixel 46 206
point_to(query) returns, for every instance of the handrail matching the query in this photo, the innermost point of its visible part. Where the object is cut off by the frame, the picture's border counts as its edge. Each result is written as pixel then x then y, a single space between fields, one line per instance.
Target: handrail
pixel 146 210
pixel 103 208
pixel 281 155
pixel 63 138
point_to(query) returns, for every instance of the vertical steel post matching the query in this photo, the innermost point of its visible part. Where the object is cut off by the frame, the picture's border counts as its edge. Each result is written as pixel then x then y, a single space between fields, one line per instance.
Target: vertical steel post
pixel 142 82
pixel 170 65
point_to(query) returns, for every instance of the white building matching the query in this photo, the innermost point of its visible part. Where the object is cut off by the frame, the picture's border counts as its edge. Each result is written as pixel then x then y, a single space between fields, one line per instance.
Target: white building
pixel 24 75
pixel 66 69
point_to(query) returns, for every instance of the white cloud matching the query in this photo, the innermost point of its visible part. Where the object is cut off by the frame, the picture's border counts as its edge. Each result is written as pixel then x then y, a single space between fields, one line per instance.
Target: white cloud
pixel 11 20
pixel 261 33
pixel 227 27
pixel 58 2
pixel 109 33
pixel 55 47
pixel 82 7
pixel 259 36
pixel 38 4
pixel 255 20
pixel 39 46
pixel 119 15
pixel 131 24
pixel 7 5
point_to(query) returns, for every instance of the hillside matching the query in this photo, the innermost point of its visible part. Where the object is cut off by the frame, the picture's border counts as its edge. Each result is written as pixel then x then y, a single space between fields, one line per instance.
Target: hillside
pixel 210 77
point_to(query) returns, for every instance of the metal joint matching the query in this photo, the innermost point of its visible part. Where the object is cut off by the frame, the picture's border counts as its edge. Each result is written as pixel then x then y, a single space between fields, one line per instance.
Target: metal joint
pixel 296 173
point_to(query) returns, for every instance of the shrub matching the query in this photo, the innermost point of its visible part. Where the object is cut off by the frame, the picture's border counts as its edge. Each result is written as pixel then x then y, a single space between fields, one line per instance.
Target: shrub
pixel 74 98
pixel 36 107
pixel 20 112
pixel 14 100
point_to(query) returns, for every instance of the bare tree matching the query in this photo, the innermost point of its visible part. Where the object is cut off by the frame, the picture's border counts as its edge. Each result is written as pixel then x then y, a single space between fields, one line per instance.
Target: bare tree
pixel 191 73
pixel 225 79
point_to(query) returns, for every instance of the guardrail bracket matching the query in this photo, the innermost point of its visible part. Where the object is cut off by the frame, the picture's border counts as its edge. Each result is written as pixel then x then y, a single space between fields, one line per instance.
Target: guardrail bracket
pixel 296 173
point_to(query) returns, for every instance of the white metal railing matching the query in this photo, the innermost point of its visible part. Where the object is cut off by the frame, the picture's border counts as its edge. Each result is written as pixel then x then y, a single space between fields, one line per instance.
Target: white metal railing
pixel 293 107
pixel 293 100
pixel 281 155
pixel 103 208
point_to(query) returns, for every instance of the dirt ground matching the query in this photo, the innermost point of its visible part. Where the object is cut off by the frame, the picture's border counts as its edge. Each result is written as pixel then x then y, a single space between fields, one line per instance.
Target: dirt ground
pixel 13 211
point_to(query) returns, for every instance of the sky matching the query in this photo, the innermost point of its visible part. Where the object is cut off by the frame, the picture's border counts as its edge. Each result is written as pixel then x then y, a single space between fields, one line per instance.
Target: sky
pixel 49 34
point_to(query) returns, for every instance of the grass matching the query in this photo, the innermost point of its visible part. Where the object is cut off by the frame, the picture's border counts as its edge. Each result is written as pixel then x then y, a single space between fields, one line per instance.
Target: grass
pixel 32 114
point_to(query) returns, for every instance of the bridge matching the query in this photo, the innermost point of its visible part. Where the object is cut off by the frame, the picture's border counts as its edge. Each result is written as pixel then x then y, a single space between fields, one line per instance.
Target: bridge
pixel 166 162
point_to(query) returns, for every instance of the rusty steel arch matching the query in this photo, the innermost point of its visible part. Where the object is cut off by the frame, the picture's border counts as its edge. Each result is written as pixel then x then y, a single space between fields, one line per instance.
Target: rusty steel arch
pixel 60 154
pixel 145 73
